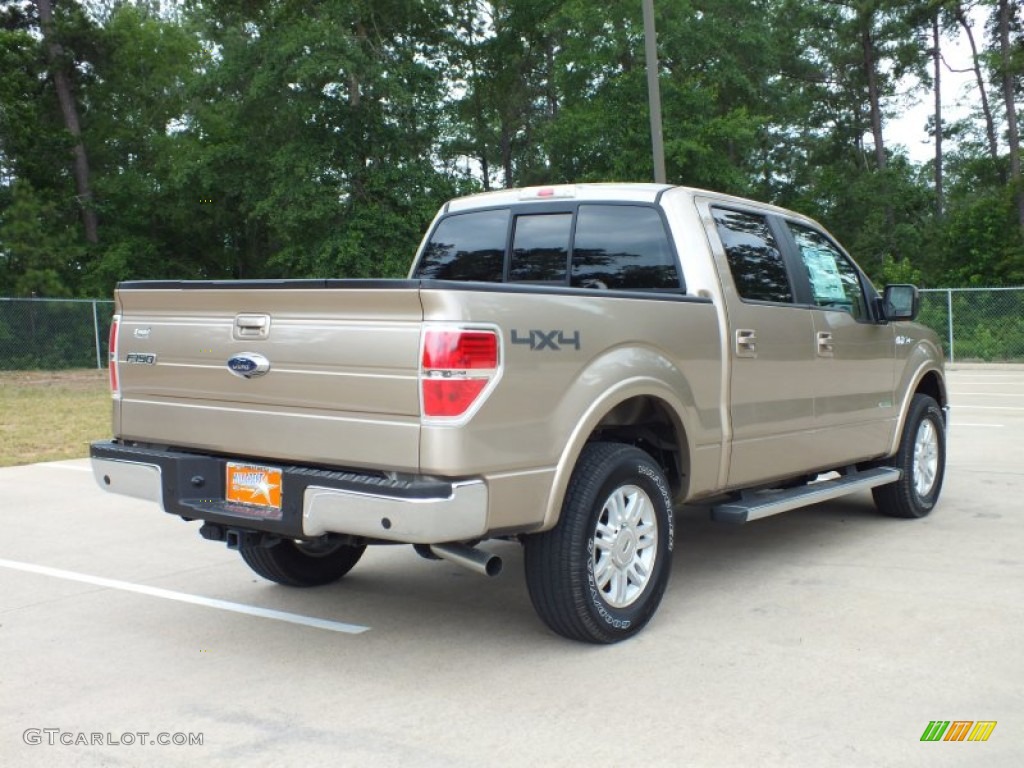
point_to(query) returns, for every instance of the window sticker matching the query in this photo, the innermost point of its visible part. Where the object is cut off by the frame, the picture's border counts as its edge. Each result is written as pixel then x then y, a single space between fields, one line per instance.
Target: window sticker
pixel 824 273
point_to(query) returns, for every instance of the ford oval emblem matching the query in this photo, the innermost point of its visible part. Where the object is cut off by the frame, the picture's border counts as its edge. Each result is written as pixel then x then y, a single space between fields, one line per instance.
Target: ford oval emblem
pixel 248 365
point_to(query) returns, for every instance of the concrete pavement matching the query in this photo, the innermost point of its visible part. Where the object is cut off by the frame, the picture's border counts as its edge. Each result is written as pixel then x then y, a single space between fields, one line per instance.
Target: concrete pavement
pixel 825 636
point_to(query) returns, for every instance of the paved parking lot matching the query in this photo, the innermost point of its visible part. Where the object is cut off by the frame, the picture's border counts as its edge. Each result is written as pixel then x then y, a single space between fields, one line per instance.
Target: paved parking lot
pixel 825 636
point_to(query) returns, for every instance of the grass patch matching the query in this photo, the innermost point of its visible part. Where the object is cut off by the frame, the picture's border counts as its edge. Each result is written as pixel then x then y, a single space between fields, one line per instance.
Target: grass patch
pixel 51 415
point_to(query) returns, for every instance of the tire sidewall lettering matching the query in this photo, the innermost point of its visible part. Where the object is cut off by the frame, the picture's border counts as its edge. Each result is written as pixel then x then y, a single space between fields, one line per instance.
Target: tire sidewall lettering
pixel 595 594
pixel 654 484
pixel 659 482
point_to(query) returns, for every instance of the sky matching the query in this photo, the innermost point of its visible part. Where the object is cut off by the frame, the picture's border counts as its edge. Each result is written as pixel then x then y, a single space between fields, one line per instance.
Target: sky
pixel 958 96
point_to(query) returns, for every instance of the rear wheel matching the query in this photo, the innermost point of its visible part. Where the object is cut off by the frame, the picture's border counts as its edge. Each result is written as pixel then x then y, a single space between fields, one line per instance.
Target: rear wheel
pixel 599 574
pixel 302 564
pixel 922 459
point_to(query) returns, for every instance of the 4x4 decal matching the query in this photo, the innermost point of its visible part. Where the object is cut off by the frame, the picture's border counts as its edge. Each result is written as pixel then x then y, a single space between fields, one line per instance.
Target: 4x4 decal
pixel 553 340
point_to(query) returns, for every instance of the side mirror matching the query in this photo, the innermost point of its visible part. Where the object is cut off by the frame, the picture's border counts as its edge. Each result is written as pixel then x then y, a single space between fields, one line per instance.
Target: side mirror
pixel 900 302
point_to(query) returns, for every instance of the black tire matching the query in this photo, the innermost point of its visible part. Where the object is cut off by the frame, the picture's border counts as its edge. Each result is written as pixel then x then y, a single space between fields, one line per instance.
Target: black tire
pixel 565 567
pixel 302 565
pixel 922 458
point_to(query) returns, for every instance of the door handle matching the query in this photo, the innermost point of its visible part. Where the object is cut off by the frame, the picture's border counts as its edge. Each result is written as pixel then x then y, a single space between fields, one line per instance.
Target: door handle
pixel 746 343
pixel 825 346
pixel 252 326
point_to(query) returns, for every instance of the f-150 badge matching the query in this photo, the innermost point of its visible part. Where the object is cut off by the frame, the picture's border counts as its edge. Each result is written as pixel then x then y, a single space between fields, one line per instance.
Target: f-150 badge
pixel 248 365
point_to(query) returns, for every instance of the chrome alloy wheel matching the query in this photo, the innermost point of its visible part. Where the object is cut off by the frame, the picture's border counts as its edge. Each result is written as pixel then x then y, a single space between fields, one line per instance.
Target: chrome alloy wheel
pixel 625 546
pixel 926 458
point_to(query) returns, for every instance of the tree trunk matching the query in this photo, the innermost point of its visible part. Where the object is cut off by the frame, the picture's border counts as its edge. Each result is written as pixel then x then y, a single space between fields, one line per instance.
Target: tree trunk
pixel 990 125
pixel 62 84
pixel 355 96
pixel 875 105
pixel 552 90
pixel 485 171
pixel 937 61
pixel 1013 134
pixel 506 153
pixel 481 131
pixel 874 99
pixel 355 101
pixel 479 118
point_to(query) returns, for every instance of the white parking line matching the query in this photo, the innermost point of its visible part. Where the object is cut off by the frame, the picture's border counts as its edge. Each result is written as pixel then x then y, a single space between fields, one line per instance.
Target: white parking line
pixel 183 597
pixel 958 407
pixel 76 469
pixel 987 394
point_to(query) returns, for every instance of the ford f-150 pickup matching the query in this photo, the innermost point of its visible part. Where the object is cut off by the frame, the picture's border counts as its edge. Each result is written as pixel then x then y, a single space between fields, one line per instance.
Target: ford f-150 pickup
pixel 562 367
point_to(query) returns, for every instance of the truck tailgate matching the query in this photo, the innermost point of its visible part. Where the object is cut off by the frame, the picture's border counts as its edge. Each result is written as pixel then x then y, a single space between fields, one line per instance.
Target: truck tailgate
pixel 341 388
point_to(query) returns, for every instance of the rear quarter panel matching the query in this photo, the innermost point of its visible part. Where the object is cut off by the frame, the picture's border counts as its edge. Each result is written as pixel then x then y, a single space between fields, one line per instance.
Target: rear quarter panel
pixel 554 391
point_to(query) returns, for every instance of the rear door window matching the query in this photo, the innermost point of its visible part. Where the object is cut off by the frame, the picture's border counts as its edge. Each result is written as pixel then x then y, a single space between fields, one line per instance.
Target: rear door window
pixel 467 246
pixel 622 247
pixel 754 257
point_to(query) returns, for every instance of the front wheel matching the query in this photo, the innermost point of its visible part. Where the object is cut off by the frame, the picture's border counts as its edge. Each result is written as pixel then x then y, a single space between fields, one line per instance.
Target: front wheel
pixel 302 564
pixel 599 574
pixel 922 458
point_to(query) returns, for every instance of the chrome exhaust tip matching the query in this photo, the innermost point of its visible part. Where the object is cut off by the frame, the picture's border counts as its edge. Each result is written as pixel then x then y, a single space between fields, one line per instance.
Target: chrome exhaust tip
pixel 484 563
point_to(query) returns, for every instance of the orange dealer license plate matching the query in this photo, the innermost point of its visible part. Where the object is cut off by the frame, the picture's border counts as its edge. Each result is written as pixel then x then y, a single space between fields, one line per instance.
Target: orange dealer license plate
pixel 255 486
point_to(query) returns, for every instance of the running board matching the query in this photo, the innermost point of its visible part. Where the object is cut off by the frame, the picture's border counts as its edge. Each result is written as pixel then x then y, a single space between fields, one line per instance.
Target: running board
pixel 756 504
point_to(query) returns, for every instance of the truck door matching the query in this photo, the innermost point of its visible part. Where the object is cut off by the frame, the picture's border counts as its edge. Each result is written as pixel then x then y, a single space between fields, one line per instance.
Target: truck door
pixel 773 360
pixel 855 356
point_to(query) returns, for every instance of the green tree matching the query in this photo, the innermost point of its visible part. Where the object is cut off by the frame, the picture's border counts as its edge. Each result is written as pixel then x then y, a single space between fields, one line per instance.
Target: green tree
pixel 33 246
pixel 141 64
pixel 292 138
pixel 313 131
pixel 1010 71
pixel 39 204
pixel 61 70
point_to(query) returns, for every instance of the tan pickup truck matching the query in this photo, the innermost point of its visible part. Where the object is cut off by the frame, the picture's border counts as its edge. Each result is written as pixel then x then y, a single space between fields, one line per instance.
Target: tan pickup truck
pixel 563 367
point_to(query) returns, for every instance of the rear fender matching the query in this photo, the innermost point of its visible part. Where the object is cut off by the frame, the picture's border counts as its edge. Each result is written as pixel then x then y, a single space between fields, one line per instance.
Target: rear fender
pixel 675 395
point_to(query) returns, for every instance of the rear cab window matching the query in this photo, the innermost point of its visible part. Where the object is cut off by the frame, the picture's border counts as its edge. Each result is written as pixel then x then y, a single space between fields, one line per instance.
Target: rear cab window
pixel 600 246
pixel 623 247
pixel 467 246
pixel 540 248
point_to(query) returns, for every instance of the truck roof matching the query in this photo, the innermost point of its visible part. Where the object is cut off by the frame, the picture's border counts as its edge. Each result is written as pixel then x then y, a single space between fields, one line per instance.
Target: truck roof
pixel 617 191
pixel 641 193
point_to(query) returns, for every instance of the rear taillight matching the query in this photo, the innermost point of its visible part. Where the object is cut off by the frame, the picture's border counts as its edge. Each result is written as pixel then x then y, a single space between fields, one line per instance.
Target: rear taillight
pixel 456 368
pixel 115 385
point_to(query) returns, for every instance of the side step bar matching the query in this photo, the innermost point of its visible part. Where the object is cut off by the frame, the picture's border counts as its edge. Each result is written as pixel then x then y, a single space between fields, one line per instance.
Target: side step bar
pixel 756 504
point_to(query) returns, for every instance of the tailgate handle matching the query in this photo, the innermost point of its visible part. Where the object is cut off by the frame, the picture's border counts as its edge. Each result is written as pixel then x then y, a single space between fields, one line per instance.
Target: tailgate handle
pixel 252 326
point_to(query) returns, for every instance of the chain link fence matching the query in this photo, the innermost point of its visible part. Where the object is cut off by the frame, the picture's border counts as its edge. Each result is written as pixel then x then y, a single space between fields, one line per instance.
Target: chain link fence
pixel 975 324
pixel 54 334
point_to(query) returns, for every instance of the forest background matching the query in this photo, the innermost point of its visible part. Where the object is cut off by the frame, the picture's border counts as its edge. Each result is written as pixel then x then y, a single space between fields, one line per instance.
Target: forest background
pixel 289 138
